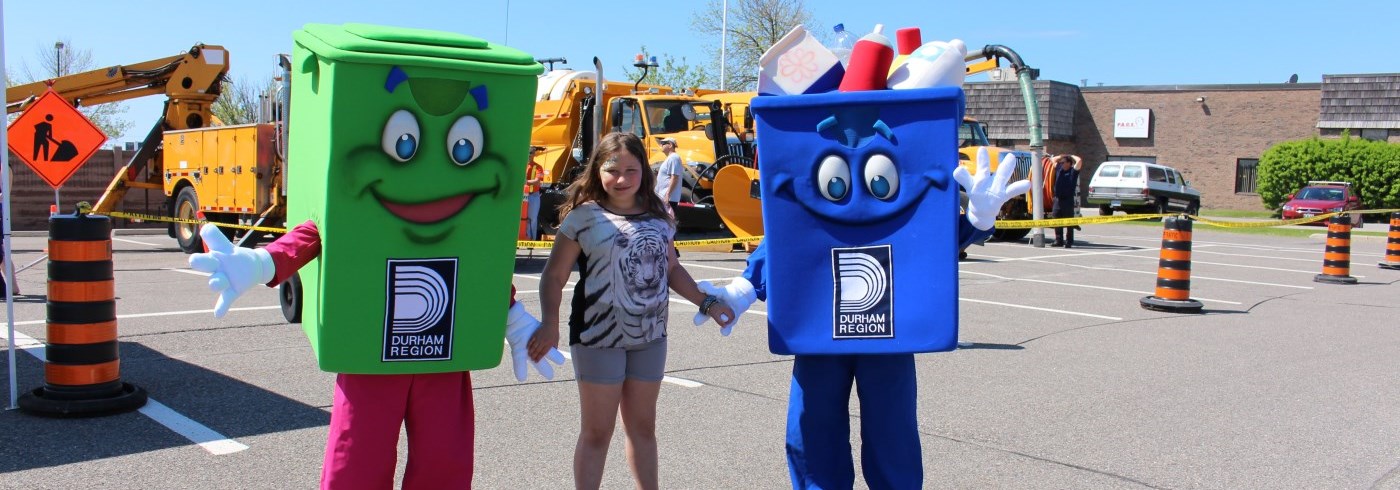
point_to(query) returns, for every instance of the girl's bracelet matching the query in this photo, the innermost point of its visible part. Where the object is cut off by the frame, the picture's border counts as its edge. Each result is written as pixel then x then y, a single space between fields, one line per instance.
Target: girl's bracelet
pixel 709 302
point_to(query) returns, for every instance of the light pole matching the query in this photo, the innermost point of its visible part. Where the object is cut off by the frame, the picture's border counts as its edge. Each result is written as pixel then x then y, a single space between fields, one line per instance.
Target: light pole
pixel 723 40
pixel 58 59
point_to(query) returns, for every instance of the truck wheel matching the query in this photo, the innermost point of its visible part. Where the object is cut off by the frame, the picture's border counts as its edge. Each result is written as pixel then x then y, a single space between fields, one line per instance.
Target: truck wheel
pixel 1161 207
pixel 289 295
pixel 1194 209
pixel 1105 210
pixel 187 235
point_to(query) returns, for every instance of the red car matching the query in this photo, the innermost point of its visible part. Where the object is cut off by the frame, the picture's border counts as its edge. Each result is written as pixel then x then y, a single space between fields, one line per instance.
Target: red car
pixel 1320 198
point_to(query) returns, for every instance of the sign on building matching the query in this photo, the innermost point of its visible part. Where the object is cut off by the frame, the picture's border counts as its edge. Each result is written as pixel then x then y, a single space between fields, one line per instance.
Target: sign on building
pixel 1131 123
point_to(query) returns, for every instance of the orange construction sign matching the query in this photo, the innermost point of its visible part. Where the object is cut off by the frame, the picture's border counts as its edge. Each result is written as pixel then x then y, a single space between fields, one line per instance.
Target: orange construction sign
pixel 53 138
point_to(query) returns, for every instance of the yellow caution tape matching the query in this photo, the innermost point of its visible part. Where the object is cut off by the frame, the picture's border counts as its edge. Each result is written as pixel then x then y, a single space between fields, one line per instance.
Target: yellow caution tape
pixel 1001 224
pixel 1260 224
pixel 1060 222
pixel 1090 220
pixel 718 241
pixel 167 219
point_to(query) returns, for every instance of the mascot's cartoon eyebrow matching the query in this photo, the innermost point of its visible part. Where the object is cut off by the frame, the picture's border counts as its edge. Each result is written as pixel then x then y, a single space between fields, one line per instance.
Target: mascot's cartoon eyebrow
pixel 397 76
pixel 855 127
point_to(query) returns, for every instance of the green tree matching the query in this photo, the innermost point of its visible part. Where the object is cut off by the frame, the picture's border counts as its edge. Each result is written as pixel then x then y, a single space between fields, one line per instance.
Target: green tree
pixel 240 100
pixel 1372 168
pixel 752 27
pixel 671 72
pixel 63 59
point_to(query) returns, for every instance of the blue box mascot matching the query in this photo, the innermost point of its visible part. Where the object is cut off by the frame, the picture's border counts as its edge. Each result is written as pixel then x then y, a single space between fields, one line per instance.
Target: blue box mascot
pixel 858 265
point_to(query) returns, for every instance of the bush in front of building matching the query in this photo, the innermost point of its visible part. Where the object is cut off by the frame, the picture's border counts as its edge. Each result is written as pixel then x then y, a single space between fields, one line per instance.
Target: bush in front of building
pixel 1372 168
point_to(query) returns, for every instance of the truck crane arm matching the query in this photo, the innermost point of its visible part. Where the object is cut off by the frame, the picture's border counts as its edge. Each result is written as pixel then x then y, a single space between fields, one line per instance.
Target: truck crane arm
pixel 191 80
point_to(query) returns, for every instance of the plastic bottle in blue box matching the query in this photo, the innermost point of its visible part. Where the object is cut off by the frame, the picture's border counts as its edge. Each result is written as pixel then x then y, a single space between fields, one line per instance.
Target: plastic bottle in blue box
pixel 861 220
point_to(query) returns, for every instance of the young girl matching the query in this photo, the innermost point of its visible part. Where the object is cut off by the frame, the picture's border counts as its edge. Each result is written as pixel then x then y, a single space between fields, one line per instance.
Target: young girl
pixel 619 233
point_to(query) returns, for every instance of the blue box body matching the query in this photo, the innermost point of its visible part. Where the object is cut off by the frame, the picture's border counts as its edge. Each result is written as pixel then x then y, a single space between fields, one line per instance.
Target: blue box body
pixel 849 272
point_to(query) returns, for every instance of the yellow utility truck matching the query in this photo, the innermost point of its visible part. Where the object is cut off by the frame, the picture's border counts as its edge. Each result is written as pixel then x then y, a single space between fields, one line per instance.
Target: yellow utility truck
pixel 228 174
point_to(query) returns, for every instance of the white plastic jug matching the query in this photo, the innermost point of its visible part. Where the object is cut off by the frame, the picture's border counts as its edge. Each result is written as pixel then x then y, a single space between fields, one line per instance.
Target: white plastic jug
pixel 934 64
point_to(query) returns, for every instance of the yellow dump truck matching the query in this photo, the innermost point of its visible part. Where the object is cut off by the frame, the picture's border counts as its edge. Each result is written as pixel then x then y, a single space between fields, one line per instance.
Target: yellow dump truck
pixel 564 118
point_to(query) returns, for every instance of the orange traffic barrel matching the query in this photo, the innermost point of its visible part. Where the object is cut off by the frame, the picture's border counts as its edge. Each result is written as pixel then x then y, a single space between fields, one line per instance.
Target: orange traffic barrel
pixel 1336 260
pixel 1392 244
pixel 81 365
pixel 1174 270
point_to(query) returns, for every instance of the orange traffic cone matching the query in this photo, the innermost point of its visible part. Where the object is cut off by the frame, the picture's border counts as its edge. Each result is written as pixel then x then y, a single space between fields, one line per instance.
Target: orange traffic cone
pixel 1336 260
pixel 1174 270
pixel 81 365
pixel 1392 244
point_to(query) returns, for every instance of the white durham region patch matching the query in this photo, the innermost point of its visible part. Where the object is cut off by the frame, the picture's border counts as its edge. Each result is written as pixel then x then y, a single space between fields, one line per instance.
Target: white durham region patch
pixel 862 303
pixel 418 316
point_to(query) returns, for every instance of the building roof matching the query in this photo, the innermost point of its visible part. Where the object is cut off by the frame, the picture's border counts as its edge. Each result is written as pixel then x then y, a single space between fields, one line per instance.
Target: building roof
pixel 1001 107
pixel 1364 101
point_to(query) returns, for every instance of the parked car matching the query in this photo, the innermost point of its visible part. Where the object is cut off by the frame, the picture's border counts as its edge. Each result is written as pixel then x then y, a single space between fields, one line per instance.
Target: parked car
pixel 1141 187
pixel 1320 197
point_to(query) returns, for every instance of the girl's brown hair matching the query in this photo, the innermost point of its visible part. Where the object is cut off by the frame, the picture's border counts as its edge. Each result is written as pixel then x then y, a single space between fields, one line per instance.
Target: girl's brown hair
pixel 589 185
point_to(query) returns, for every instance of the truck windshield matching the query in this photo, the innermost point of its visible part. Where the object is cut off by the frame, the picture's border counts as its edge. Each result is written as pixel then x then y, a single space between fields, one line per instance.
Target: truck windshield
pixel 673 116
pixel 971 134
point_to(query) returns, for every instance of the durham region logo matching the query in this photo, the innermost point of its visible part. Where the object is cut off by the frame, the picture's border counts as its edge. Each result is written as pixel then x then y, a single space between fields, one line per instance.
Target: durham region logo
pixel 862 306
pixel 419 314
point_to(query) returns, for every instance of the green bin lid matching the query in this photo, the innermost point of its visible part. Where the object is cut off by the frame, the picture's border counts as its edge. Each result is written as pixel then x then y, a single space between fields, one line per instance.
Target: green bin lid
pixel 367 43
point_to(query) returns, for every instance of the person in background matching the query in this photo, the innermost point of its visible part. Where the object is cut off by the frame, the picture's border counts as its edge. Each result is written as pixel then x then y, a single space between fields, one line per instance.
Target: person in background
pixel 619 234
pixel 534 177
pixel 1066 183
pixel 668 175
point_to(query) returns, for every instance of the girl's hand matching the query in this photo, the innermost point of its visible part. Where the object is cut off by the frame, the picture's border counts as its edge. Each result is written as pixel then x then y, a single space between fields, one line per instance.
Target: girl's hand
pixel 545 338
pixel 721 313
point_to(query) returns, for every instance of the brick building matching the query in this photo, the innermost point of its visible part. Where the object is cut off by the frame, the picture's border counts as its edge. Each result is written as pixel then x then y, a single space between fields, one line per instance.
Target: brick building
pixel 1213 134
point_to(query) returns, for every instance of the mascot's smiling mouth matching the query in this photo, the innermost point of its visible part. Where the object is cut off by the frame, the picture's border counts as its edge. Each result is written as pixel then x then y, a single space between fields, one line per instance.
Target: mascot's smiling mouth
pixel 425 212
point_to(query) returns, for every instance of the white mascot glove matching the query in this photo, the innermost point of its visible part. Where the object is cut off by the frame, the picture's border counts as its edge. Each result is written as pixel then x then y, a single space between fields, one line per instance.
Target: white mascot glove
pixel 520 326
pixel 738 295
pixel 232 270
pixel 985 192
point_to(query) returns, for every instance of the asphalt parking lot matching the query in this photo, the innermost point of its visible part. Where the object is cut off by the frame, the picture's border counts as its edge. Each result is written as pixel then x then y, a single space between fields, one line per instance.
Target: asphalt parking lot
pixel 1063 382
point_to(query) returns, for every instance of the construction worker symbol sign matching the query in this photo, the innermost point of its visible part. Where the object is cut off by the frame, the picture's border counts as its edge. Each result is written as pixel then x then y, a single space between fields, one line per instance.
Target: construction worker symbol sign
pixel 53 138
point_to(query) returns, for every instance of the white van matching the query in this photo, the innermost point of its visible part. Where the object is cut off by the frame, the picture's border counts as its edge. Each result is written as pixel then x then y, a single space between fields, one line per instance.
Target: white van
pixel 1141 187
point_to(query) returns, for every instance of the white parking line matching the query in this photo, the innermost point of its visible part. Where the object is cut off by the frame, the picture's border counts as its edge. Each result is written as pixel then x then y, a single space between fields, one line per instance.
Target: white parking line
pixel 1270 257
pixel 115 239
pixel 1193 276
pixel 1266 248
pixel 715 267
pixel 214 442
pixel 1051 310
pixel 1194 261
pixel 166 313
pixel 1105 288
pixel 664 379
pixel 1051 256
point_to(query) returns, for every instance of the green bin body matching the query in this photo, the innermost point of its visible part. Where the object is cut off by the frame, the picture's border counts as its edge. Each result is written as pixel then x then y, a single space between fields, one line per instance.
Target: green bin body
pixel 406 147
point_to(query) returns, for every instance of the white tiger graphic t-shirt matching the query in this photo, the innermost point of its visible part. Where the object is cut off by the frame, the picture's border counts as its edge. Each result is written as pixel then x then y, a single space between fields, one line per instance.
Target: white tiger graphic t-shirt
pixel 621 295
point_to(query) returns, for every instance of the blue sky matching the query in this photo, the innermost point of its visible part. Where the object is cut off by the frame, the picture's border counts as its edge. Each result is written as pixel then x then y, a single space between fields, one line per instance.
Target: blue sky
pixel 1119 42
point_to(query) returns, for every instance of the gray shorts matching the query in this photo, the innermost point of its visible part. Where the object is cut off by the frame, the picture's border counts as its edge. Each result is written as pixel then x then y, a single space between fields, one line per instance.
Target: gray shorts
pixel 612 365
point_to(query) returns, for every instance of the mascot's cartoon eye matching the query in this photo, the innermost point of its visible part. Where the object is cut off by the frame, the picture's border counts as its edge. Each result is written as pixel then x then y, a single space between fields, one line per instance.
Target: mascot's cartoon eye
pixel 881 176
pixel 834 178
pixel 464 140
pixel 401 136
